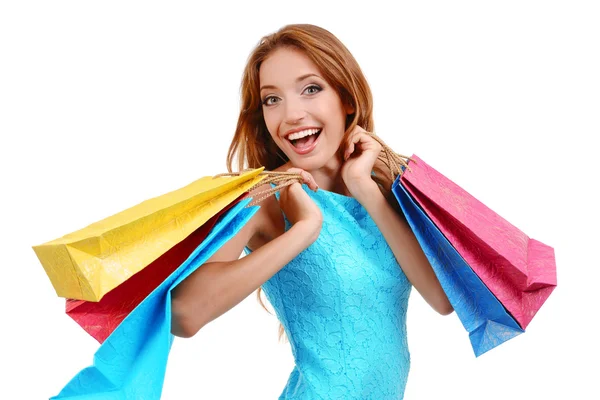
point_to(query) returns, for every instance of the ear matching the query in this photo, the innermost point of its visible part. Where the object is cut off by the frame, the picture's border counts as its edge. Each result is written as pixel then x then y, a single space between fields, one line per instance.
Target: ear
pixel 349 109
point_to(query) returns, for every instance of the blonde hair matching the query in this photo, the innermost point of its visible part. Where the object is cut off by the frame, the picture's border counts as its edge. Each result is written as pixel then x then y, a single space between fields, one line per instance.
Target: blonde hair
pixel 252 144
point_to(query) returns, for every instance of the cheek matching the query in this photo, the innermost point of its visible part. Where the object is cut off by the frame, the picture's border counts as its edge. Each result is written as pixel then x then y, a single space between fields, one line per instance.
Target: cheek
pixel 271 123
pixel 332 109
pixel 336 119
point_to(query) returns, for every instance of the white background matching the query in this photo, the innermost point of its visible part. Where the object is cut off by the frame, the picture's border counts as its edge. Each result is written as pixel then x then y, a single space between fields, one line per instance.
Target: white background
pixel 106 104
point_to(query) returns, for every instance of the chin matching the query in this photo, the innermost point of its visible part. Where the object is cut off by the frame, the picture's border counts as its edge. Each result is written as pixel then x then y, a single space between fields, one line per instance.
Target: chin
pixel 320 157
pixel 312 163
pixel 307 164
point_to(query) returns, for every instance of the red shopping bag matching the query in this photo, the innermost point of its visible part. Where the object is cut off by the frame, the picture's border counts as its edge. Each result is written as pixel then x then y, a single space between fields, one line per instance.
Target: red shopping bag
pixel 518 270
pixel 101 318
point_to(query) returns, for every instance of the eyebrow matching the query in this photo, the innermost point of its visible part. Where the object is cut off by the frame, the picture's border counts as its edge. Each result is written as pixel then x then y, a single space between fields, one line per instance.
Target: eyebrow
pixel 299 79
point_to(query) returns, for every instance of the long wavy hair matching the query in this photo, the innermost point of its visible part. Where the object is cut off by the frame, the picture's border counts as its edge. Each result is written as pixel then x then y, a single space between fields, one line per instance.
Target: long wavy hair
pixel 252 144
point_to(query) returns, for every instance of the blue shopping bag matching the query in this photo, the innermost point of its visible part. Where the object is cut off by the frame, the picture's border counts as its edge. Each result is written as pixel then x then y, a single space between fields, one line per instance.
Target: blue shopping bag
pixel 131 363
pixel 482 315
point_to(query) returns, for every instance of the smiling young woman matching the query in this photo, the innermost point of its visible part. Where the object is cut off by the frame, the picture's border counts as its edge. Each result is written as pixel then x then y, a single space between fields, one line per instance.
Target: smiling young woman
pixel 334 256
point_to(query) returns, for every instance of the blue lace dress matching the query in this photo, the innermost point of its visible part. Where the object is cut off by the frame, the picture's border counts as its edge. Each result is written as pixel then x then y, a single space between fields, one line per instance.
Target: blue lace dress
pixel 342 302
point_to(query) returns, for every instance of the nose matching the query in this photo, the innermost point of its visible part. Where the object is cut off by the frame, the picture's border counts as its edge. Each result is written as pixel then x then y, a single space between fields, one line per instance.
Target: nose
pixel 294 111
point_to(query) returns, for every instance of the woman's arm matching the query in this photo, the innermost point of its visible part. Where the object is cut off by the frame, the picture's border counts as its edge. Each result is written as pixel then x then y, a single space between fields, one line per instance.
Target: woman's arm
pixel 406 249
pixel 357 175
pixel 224 280
pixel 218 286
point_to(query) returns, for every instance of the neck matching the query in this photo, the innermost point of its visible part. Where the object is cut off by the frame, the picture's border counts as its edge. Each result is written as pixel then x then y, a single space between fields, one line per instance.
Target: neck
pixel 329 176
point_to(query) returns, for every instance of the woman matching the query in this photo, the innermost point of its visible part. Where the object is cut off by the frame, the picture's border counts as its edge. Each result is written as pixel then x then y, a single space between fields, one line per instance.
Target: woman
pixel 334 257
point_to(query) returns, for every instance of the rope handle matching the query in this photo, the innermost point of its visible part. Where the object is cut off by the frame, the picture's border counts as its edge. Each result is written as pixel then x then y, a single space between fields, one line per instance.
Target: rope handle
pixel 283 178
pixel 392 160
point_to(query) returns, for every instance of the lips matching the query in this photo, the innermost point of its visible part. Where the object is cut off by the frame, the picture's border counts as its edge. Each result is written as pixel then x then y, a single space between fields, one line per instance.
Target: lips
pixel 300 129
pixel 305 144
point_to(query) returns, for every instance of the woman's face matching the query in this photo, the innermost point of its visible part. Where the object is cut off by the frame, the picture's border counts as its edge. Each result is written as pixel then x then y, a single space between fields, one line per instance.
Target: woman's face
pixel 304 115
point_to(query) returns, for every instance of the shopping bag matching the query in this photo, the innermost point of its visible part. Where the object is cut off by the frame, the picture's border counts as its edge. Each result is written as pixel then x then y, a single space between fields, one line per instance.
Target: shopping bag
pixel 131 363
pixel 90 262
pixel 518 270
pixel 482 315
pixel 100 319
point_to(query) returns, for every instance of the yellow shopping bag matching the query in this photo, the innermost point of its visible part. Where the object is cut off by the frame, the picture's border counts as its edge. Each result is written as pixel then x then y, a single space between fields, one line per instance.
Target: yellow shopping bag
pixel 92 261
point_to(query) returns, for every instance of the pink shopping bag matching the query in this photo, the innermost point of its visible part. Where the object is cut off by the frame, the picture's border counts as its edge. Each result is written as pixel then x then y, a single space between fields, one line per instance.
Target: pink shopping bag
pixel 518 270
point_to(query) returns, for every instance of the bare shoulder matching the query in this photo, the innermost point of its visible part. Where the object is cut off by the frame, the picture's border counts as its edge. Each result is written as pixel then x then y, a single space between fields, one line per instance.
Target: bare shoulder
pixel 383 173
pixel 270 223
pixel 385 183
pixel 264 225
pixel 269 206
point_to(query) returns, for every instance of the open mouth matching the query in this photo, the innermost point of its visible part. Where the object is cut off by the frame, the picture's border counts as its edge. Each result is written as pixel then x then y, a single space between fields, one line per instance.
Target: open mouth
pixel 305 142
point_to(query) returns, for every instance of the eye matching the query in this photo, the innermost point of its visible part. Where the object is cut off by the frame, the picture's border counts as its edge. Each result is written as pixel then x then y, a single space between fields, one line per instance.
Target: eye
pixel 313 89
pixel 267 101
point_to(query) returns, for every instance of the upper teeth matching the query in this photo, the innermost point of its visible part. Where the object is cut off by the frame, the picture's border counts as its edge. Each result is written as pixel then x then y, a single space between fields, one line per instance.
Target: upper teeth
pixel 301 134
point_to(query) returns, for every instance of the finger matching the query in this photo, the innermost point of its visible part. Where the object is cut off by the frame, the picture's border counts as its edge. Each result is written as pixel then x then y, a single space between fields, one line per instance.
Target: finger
pixel 367 142
pixel 312 184
pixel 356 131
pixel 298 171
pixel 351 146
pixel 308 179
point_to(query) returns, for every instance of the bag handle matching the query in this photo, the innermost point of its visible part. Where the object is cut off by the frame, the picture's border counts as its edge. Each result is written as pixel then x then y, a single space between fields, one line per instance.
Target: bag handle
pixel 283 178
pixel 391 159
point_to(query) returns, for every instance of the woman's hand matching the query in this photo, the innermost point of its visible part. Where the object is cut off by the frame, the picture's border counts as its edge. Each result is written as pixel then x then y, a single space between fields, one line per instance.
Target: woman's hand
pixel 297 204
pixel 360 155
